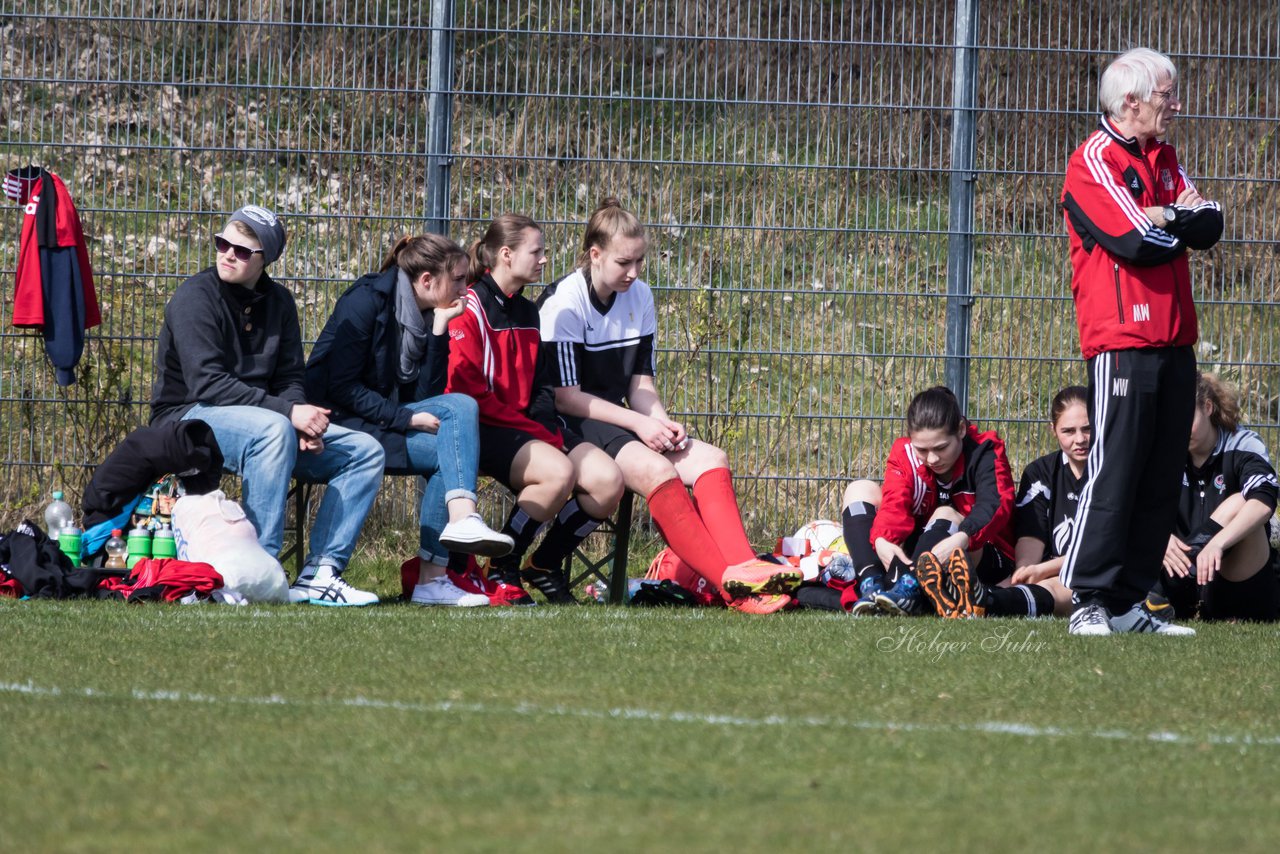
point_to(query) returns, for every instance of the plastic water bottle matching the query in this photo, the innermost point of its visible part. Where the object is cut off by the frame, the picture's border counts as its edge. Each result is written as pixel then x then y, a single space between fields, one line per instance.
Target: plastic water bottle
pixel 117 550
pixel 70 542
pixel 58 515
pixel 163 545
pixel 139 546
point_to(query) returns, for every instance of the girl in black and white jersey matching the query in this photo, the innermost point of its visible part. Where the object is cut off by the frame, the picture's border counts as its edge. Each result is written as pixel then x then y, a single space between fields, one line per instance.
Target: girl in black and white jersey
pixel 598 326
pixel 1045 511
pixel 1219 560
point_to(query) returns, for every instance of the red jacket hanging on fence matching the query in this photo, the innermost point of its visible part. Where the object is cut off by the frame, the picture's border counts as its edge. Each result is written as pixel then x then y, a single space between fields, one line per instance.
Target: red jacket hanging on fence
pixel 55 282
pixel 1131 281
pixel 980 487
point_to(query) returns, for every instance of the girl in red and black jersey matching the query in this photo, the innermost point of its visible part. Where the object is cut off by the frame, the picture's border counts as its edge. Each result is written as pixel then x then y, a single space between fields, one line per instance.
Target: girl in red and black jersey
pixel 599 323
pixel 1045 513
pixel 947 494
pixel 1219 560
pixel 494 357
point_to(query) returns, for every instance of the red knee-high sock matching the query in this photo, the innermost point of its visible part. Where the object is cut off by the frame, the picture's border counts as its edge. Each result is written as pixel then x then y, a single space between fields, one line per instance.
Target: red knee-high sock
pixel 718 506
pixel 683 529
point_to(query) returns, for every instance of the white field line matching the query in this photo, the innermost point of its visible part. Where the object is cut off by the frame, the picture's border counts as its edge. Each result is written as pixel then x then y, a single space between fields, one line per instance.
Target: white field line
pixel 140 695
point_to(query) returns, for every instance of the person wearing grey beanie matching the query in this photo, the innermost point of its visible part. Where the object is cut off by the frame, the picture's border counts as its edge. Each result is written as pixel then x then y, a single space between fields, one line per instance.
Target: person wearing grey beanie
pixel 266 226
pixel 230 355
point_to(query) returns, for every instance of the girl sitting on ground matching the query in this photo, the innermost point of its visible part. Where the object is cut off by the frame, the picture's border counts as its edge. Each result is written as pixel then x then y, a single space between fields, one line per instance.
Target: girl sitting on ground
pixel 1045 512
pixel 380 366
pixel 494 358
pixel 598 325
pixel 947 503
pixel 1219 562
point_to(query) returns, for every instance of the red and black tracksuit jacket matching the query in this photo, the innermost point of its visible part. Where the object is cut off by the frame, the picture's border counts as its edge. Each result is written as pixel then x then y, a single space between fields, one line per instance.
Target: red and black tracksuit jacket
pixel 494 356
pixel 55 282
pixel 1130 279
pixel 980 487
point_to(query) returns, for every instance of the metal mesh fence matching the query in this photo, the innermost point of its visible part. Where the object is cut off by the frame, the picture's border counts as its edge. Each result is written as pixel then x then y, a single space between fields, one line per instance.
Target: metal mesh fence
pixel 793 163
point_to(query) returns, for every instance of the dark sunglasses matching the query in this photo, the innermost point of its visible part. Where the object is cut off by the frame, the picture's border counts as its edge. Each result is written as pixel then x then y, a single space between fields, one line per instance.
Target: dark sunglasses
pixel 243 253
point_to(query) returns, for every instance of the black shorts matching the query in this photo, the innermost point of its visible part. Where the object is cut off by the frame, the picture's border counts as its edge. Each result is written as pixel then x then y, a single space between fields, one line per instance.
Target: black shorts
pixel 1257 598
pixel 609 438
pixel 499 446
pixel 993 567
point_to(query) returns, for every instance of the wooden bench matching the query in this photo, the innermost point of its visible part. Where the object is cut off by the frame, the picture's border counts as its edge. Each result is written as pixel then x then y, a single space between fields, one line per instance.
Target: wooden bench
pixel 611 568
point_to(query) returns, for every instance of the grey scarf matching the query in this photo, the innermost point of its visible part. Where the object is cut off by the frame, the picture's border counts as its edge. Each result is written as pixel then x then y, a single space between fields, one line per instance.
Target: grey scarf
pixel 414 328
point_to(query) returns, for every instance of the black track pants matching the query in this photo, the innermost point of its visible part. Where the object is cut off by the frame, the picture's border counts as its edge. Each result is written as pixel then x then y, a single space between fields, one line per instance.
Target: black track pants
pixel 1140 407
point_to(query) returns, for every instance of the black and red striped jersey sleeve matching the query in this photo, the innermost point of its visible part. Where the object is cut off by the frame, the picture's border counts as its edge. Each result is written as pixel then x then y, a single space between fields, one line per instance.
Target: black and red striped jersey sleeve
pixel 1102 211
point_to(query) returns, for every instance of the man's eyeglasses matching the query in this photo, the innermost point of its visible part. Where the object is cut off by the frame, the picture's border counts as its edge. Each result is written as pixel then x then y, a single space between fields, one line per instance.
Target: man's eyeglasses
pixel 1167 94
pixel 242 253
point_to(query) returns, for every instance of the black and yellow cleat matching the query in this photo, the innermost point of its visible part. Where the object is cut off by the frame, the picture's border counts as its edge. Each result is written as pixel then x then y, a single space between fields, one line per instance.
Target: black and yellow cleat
pixel 970 592
pixel 936 583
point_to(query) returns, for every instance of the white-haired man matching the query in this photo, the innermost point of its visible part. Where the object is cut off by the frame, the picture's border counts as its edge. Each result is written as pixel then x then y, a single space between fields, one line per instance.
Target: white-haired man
pixel 1132 213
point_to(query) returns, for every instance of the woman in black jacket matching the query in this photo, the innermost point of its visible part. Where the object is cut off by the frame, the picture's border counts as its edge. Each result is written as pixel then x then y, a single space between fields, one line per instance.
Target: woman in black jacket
pixel 381 364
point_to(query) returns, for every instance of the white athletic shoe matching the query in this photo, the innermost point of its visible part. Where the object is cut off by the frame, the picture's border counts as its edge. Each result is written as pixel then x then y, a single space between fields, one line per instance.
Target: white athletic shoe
pixel 473 537
pixel 442 591
pixel 321 586
pixel 1143 618
pixel 1090 621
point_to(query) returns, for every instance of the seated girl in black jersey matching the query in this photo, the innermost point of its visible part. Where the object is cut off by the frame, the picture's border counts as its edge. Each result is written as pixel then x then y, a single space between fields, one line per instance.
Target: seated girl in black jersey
pixel 1219 560
pixel 495 356
pixel 1045 512
pixel 598 325
pixel 946 504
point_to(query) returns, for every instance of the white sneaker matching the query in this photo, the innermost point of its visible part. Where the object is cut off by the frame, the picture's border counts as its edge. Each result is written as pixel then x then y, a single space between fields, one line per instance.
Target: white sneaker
pixel 473 537
pixel 442 591
pixel 1145 619
pixel 1090 621
pixel 321 586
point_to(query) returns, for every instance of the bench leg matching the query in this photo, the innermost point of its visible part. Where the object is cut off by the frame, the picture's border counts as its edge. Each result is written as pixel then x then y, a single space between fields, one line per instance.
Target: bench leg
pixel 301 503
pixel 301 495
pixel 621 544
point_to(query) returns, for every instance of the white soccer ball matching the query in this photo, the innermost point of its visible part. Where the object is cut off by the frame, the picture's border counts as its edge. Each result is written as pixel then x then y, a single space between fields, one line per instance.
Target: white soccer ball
pixel 823 534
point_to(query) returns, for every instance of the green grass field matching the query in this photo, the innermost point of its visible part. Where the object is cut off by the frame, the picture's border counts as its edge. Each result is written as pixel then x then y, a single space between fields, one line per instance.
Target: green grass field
pixel 165 728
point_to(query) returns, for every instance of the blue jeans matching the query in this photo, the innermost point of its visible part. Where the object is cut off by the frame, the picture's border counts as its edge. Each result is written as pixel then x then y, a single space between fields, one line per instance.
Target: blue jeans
pixel 262 447
pixel 448 459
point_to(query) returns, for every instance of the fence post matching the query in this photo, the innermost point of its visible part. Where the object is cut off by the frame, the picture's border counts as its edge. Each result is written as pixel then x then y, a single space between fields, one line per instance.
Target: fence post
pixel 960 218
pixel 440 117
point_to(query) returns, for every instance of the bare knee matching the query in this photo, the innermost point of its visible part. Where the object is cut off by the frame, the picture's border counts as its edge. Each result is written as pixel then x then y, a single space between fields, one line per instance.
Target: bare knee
pixel 646 472
pixel 712 457
pixel 549 475
pixel 947 514
pixel 600 481
pixel 866 491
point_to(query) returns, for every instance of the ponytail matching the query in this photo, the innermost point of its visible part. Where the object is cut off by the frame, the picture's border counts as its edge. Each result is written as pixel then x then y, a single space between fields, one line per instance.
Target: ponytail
pixel 608 221
pixel 425 253
pixel 506 230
